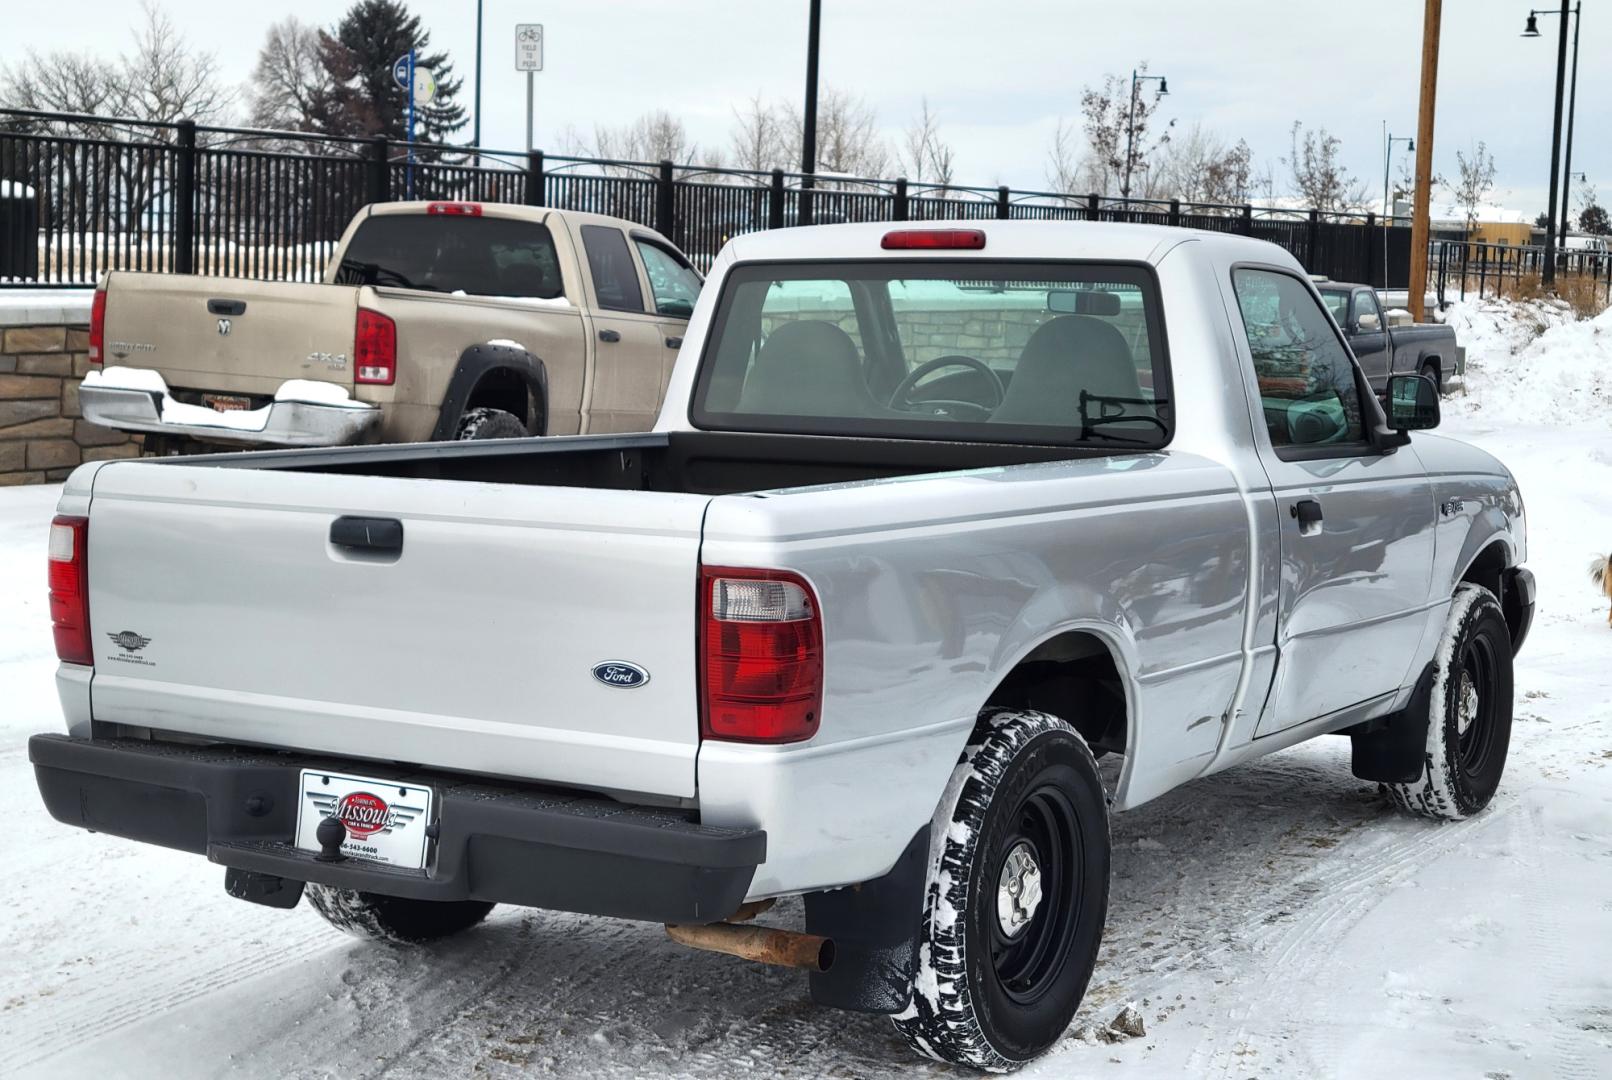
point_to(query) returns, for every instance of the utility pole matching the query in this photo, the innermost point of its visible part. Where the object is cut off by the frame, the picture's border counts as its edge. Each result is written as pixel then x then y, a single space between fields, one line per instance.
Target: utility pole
pixel 1417 287
pixel 808 139
pixel 1547 276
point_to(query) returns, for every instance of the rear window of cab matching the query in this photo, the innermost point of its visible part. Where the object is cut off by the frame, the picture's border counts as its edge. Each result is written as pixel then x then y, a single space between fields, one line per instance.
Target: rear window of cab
pixel 450 253
pixel 1058 353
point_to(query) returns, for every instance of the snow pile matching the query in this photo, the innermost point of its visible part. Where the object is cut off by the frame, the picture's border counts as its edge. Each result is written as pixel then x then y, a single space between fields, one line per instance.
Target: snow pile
pixel 1532 362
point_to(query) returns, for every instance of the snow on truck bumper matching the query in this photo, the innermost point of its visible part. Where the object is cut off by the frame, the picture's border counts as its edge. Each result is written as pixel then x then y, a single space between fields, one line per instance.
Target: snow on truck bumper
pixel 302 414
pixel 510 844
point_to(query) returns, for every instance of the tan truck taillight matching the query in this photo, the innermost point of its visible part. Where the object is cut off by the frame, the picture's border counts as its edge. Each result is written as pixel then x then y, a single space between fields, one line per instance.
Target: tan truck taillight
pixel 98 327
pixel 374 348
pixel 69 589
pixel 761 656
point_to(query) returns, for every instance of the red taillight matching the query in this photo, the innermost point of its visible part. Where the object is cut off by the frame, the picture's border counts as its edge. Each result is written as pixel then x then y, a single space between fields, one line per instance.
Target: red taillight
pixel 456 209
pixel 374 348
pixel 934 240
pixel 69 589
pixel 761 656
pixel 98 327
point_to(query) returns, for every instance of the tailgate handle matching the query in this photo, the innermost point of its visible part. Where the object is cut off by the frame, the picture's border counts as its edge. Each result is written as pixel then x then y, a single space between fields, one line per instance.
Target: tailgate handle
pixel 226 307
pixel 367 534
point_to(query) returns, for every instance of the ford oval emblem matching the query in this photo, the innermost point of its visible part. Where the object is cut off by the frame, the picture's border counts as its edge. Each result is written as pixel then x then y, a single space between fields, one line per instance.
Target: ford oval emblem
pixel 621 674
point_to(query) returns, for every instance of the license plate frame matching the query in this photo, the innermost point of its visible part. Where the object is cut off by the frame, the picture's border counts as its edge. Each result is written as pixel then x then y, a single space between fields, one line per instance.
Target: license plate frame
pixel 227 402
pixel 386 819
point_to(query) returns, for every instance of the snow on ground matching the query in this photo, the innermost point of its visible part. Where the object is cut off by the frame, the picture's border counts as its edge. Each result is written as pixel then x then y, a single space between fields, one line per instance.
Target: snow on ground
pixel 1277 920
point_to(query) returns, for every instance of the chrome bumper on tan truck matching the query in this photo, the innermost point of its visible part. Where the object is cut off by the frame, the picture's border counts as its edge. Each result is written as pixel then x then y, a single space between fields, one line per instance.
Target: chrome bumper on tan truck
pixel 289 423
pixel 505 843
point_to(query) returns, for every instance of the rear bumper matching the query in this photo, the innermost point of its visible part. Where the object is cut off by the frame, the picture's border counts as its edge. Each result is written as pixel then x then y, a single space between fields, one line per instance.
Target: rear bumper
pixel 284 423
pixel 508 844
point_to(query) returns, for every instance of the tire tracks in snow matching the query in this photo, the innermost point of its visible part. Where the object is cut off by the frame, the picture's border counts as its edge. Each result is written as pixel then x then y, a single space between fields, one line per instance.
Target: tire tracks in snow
pixel 1332 901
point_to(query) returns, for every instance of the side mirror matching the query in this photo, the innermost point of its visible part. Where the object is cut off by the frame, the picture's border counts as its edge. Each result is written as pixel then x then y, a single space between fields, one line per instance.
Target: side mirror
pixel 1412 403
pixel 1369 321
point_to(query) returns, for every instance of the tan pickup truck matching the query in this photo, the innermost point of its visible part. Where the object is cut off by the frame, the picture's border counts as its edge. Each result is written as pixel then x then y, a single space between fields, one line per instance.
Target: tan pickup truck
pixel 435 321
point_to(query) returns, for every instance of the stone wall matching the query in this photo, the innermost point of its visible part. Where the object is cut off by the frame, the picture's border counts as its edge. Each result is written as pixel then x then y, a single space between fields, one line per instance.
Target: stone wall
pixel 42 436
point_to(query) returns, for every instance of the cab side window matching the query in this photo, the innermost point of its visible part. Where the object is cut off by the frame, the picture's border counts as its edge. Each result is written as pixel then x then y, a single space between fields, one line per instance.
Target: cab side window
pixel 1306 376
pixel 675 285
pixel 615 277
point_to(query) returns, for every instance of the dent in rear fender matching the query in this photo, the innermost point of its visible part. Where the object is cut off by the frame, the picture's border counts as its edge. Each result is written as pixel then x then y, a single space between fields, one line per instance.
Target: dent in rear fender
pixel 934 587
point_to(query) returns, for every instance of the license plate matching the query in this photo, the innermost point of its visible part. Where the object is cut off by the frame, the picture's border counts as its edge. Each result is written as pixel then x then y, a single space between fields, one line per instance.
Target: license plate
pixel 385 820
pixel 227 402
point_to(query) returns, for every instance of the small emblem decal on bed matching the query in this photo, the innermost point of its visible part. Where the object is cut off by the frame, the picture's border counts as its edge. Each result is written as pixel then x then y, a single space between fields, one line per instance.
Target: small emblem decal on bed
pixel 129 641
pixel 621 674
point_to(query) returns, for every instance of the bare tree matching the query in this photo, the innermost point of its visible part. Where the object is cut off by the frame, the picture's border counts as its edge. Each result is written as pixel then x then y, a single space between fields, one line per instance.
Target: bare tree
pixel 1476 181
pixel 1065 165
pixel 848 137
pixel 756 136
pixel 651 137
pixel 1118 134
pixel 1200 167
pixel 164 79
pixel 1319 177
pixel 57 82
pixel 291 85
pixel 924 155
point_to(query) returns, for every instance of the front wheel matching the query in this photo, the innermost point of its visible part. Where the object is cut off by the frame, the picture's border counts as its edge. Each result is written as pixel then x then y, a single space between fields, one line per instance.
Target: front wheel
pixel 1468 712
pixel 394 918
pixel 1014 906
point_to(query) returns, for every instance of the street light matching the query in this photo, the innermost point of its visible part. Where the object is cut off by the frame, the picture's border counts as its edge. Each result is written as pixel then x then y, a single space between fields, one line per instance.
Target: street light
pixel 808 139
pixel 1130 123
pixel 1531 29
pixel 1388 212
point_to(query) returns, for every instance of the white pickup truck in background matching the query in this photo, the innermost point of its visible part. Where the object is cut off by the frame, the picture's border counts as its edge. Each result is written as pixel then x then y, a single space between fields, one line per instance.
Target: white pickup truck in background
pixel 933 517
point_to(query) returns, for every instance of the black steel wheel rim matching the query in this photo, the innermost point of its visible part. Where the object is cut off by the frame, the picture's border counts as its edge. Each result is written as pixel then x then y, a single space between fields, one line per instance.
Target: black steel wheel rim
pixel 1475 745
pixel 1027 964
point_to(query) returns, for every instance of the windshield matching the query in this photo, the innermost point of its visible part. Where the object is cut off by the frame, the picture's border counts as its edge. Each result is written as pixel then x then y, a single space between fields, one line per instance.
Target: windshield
pixel 1337 301
pixel 450 253
pixel 1060 353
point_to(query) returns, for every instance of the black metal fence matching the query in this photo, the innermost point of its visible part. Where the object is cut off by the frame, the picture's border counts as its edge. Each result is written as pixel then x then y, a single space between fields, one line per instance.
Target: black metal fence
pixel 81 195
pixel 1459 267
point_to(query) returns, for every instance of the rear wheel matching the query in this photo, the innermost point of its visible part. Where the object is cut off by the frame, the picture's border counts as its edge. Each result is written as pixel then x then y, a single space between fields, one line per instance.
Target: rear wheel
pixel 1430 371
pixel 490 424
pixel 1469 712
pixel 1015 905
pixel 394 918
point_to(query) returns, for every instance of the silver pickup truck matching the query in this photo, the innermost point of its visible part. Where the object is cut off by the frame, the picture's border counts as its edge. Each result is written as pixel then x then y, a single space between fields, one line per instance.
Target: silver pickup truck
pixel 934 517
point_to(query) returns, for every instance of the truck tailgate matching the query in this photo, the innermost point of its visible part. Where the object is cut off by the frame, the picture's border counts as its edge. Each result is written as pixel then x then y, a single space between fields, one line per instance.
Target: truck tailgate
pixel 222 608
pixel 230 334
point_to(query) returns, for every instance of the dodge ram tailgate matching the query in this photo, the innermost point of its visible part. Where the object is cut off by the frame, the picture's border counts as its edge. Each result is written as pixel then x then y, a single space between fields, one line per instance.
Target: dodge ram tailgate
pixel 230 334
pixel 541 633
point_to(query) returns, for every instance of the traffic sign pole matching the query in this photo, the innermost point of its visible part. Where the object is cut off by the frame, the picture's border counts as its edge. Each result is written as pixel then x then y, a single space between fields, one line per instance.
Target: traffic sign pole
pixel 408 182
pixel 529 58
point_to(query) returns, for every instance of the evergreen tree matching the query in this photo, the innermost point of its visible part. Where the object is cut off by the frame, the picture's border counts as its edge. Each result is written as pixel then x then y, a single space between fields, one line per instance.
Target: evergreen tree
pixel 358 54
pixel 1593 219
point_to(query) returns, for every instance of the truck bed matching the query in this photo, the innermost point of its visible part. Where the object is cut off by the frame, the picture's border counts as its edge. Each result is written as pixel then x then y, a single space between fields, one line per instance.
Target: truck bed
pixel 698 462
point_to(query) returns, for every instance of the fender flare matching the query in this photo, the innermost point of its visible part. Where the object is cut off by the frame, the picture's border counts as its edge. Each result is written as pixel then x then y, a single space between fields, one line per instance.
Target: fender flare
pixel 476 362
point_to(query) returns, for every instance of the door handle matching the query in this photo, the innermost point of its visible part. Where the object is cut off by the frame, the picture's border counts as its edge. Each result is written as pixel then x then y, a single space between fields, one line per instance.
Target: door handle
pixel 1308 514
pixel 611 336
pixel 380 535
pixel 674 343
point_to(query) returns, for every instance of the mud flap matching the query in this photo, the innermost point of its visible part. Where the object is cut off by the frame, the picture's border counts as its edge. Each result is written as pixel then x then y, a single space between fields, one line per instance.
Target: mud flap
pixel 874 926
pixel 1393 749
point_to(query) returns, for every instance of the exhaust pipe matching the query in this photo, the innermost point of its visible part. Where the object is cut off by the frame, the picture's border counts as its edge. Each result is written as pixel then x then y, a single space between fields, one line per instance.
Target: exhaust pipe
pixel 763 944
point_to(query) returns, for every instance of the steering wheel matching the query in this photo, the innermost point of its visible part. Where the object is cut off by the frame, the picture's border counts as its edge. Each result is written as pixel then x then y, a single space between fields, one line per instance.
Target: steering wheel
pixel 898 398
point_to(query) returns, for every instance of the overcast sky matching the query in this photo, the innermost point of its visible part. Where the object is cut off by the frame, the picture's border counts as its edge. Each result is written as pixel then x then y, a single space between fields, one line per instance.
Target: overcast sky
pixel 998 72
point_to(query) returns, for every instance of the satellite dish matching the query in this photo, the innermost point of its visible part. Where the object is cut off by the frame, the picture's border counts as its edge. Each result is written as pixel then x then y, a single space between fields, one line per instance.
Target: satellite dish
pixel 425 87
